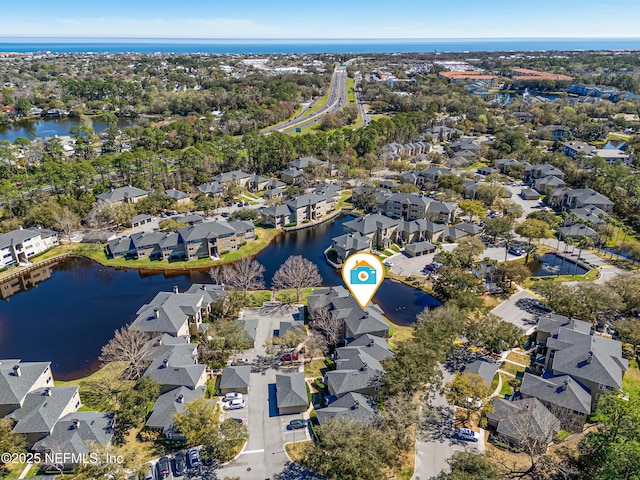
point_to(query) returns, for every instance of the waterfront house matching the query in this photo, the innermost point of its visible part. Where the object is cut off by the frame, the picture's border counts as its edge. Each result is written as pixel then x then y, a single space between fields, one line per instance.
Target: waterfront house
pixel 17 379
pixel 350 243
pixel 574 148
pixel 18 246
pixel 42 409
pixel 381 230
pixel 213 239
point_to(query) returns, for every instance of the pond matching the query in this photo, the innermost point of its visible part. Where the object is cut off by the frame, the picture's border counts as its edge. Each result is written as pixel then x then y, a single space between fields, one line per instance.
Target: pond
pixel 50 127
pixel 552 264
pixel 69 317
pixel 614 145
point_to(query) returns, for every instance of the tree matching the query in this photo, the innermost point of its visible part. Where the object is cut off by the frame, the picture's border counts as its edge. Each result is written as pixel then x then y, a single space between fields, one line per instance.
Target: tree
pixel 171 225
pixel 131 466
pixel 473 208
pixel 470 466
pixel 10 442
pixel 297 273
pixel 493 333
pixel 65 220
pixel 498 227
pixel 246 214
pixel 533 229
pixel 467 249
pixel 331 327
pixel 199 422
pixel 452 282
pixel 349 449
pixel 365 198
pixel 244 275
pixel 117 214
pixel 132 406
pixel 489 192
pixel 583 242
pixel 130 346
pixel 514 272
pixel 231 436
pixel 471 392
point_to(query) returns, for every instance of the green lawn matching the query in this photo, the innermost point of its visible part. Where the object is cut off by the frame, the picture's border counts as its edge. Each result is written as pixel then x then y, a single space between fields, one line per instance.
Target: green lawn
pixel 351 93
pixel 315 369
pixel 590 276
pixel 511 368
pixel 343 202
pixel 290 295
pixel 258 297
pixel 506 388
pixel 631 380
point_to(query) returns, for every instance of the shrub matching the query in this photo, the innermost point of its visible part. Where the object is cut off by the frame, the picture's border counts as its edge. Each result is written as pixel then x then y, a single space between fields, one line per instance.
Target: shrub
pixel 224 252
pixel 562 435
pixel 319 385
pixel 331 365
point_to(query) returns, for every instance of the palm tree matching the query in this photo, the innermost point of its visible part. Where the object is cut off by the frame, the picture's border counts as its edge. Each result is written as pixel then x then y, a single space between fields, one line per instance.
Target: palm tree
pixel 508 237
pixel 569 243
pixel 529 249
pixel 584 242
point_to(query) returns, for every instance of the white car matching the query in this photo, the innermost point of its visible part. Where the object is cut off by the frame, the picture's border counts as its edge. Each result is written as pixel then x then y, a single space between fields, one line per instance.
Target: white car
pixel 468 435
pixel 388 263
pixel 236 404
pixel 229 397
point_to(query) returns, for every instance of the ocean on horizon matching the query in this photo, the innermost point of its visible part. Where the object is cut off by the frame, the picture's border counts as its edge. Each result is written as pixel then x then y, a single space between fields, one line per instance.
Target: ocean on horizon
pixel 310 46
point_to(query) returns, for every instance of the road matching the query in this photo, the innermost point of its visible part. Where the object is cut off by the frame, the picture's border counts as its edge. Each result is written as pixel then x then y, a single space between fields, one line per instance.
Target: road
pixel 264 455
pixel 441 443
pixel 336 100
pixel 360 101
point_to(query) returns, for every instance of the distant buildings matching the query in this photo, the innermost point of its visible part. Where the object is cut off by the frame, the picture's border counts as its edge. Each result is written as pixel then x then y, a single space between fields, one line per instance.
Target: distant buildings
pixel 123 195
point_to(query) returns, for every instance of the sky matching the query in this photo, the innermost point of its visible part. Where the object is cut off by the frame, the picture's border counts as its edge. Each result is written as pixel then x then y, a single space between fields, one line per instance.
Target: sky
pixel 321 19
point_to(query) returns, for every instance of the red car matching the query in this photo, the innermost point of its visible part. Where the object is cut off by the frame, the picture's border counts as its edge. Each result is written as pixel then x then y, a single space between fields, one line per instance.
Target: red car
pixel 289 357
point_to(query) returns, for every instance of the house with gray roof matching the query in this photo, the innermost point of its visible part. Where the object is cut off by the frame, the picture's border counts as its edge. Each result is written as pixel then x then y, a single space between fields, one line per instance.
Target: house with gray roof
pixel 380 229
pixel 574 148
pixel 177 195
pixel 530 193
pixel 211 189
pixel 550 324
pixel 576 231
pixel 278 192
pixel 127 194
pixel 351 405
pixel 235 379
pixel 555 132
pixel 548 183
pixel 17 379
pixel 174 313
pixel 505 165
pixel 452 234
pixel 365 380
pixel 513 420
pixel 237 176
pixel 304 162
pixel 211 293
pixel 23 243
pixel 419 248
pixel 563 395
pixel 350 243
pixel 468 228
pixel 487 370
pixel 167 405
pixel 190 219
pixel 42 409
pixel 420 230
pixel 175 371
pixel 291 393
pixel 141 219
pixel 541 170
pixel 214 239
pixel 585 215
pixel 77 434
pixel 375 346
pixel 331 191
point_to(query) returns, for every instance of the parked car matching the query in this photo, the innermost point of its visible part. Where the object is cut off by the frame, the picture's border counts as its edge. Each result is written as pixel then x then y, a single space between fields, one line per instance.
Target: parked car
pixel 240 204
pixel 289 357
pixel 468 435
pixel 246 204
pixel 433 266
pixel 194 457
pixel 238 421
pixel 517 251
pixel 236 404
pixel 388 263
pixel 231 396
pixel 297 424
pixel 164 467
pixel 225 214
pixel 181 463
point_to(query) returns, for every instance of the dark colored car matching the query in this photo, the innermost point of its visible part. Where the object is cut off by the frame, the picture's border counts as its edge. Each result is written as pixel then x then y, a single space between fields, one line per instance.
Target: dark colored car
pixel 164 467
pixel 289 357
pixel 225 214
pixel 297 424
pixel 516 251
pixel 238 420
pixel 239 204
pixel 246 204
pixel 194 457
pixel 181 463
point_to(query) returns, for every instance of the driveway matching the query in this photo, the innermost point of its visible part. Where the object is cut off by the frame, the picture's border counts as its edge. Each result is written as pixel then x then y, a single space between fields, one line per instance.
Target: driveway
pixel 440 442
pixel 520 310
pixel 263 456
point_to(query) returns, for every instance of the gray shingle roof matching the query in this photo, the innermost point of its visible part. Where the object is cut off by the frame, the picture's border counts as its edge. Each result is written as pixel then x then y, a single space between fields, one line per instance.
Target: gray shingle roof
pixel 140 218
pixel 235 377
pixel 171 403
pixel 291 390
pixel 351 405
pixel 555 391
pixel 370 223
pixel 211 293
pixel 552 322
pixel 120 194
pixel 176 373
pixel 211 188
pixel 176 194
pixel 167 312
pixel 578 230
pixel 574 350
pixel 20 235
pixel 204 230
pixel 511 422
pixel 14 388
pixel 486 370
pixel 355 358
pixel 420 247
pixel 344 381
pixel 352 241
pixel 468 228
pixel 42 408
pixel 92 428
pixel 375 346
pixel 305 200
